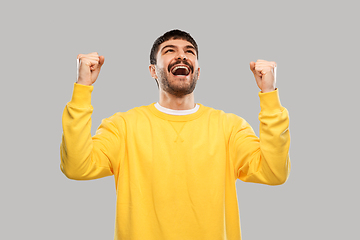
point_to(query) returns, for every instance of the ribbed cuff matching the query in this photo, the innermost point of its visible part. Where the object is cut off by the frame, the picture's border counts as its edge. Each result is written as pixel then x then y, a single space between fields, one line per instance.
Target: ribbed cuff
pixel 81 96
pixel 270 101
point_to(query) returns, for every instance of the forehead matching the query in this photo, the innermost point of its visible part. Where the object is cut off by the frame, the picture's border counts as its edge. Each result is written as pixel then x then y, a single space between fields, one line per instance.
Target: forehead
pixel 180 43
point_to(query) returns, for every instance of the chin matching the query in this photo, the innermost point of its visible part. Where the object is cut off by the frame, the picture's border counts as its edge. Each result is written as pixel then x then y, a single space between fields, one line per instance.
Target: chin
pixel 180 89
pixel 179 85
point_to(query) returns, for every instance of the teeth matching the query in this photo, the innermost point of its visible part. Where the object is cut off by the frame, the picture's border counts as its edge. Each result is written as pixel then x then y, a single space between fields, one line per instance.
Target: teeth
pixel 177 67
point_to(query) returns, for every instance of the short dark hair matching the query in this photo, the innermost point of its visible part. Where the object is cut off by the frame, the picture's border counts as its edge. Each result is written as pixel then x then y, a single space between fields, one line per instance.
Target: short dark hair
pixel 173 34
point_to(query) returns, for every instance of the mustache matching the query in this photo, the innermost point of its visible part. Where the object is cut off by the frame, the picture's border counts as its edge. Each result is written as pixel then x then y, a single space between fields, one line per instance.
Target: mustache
pixel 181 62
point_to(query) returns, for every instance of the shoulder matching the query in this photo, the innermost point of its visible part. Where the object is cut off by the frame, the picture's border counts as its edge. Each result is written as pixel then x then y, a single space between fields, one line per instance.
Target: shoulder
pixel 123 120
pixel 132 114
pixel 216 113
pixel 229 121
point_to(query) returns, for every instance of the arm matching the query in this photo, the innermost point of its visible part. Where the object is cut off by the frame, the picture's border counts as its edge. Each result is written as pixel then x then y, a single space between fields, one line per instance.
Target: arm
pixel 265 160
pixel 84 157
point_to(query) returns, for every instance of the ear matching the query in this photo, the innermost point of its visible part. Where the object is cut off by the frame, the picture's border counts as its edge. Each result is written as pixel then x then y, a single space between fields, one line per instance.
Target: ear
pixel 152 71
pixel 198 73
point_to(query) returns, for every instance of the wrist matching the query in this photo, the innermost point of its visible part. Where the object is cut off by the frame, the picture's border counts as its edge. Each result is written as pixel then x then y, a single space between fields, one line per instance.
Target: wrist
pixel 268 90
pixel 83 83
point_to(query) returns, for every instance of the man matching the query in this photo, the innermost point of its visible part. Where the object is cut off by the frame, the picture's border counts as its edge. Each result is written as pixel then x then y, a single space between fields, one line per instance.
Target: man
pixel 175 162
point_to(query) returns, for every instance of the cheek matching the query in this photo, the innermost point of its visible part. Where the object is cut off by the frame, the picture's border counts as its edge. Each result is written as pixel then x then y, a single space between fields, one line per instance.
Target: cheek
pixel 194 62
pixel 164 61
pixel 161 72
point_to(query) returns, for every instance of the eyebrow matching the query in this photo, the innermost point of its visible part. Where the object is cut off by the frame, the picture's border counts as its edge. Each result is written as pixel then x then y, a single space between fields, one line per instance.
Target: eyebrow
pixel 173 46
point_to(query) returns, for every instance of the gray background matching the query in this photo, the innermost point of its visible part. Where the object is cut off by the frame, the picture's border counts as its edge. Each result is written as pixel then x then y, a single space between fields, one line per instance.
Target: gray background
pixel 316 47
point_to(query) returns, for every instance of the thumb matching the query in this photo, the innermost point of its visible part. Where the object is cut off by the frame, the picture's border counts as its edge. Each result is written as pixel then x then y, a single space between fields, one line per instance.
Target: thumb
pixel 252 67
pixel 256 74
pixel 101 61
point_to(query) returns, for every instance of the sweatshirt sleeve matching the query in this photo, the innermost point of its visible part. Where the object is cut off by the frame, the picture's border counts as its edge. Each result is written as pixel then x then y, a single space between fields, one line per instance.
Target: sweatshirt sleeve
pixel 266 159
pixel 84 157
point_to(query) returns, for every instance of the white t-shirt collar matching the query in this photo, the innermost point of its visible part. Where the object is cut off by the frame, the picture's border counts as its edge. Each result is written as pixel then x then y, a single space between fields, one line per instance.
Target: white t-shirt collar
pixel 176 112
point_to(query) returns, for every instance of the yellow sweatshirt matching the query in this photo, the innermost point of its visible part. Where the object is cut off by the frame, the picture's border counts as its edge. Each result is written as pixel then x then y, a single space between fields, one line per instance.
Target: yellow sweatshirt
pixel 175 175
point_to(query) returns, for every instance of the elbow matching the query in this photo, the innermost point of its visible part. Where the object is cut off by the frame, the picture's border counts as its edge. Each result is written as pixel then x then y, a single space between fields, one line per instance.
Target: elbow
pixel 64 164
pixel 281 174
pixel 281 178
pixel 279 181
pixel 276 180
pixel 69 174
pixel 69 167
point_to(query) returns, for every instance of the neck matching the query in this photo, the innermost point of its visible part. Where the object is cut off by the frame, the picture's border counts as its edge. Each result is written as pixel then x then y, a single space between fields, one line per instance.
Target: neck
pixel 170 101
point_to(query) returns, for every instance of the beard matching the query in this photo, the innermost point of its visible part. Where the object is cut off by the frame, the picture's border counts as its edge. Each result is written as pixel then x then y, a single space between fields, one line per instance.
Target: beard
pixel 179 87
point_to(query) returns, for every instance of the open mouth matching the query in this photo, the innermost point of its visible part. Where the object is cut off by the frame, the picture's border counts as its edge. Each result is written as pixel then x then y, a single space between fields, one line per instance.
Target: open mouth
pixel 180 70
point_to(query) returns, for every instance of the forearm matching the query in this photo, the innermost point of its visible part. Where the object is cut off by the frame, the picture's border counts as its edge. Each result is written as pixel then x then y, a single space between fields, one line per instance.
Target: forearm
pixel 79 159
pixel 265 159
pixel 274 139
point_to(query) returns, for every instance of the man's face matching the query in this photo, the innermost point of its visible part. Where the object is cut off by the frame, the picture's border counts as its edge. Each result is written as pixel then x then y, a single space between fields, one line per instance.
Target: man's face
pixel 177 68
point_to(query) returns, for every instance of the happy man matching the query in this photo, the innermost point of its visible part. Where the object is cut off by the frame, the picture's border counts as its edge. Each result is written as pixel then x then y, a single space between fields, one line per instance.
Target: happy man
pixel 175 162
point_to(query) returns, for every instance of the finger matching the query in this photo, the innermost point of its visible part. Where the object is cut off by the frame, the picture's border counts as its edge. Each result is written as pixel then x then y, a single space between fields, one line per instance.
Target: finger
pixel 94 54
pixel 263 67
pixel 264 63
pixel 89 62
pixel 89 56
pixel 259 68
pixel 97 64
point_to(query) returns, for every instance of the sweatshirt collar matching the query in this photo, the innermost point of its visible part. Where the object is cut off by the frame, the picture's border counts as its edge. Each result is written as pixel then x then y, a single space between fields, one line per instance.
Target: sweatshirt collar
pixel 176 112
pixel 177 118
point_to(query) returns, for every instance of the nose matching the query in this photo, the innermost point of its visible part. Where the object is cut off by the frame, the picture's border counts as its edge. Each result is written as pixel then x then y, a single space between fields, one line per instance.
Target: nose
pixel 182 56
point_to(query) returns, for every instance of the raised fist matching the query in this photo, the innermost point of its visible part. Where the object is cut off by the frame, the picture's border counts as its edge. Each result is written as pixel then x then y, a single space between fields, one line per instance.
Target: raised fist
pixel 265 74
pixel 89 68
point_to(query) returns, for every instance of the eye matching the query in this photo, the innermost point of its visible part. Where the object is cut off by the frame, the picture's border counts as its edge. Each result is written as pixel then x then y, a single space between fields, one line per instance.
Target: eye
pixel 190 51
pixel 169 50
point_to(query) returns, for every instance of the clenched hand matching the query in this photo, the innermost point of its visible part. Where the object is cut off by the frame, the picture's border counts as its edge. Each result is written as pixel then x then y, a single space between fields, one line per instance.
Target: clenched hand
pixel 89 69
pixel 264 73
